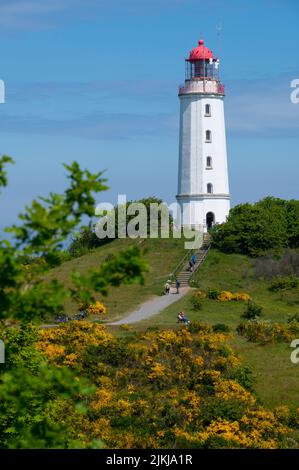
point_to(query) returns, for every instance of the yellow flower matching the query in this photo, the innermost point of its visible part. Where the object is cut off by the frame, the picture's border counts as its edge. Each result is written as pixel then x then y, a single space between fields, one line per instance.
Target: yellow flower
pixel 97 309
pixel 158 371
pixel 198 361
pixel 70 359
pixel 229 389
pixel 225 296
pixel 243 296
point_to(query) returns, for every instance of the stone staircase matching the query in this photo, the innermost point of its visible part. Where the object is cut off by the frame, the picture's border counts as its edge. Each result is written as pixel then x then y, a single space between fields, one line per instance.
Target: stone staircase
pixel 183 273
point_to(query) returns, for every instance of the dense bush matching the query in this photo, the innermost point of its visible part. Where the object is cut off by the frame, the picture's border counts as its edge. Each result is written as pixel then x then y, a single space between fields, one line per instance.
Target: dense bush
pixel 221 328
pixel 196 301
pixel 254 229
pixel 293 317
pixel 264 331
pixel 281 283
pixel 268 267
pixel 252 311
pixel 162 389
pixel 245 376
pixel 39 401
pixel 222 296
pixel 213 294
pixel 136 219
pixel 85 240
pixel 80 386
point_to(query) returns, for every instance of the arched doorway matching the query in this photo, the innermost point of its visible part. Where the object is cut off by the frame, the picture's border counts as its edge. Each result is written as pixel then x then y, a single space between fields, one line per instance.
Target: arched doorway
pixel 210 220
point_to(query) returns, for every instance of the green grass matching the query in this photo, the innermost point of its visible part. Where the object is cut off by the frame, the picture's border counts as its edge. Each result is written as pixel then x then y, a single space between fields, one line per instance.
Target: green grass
pixel 162 255
pixel 234 273
pixel 276 376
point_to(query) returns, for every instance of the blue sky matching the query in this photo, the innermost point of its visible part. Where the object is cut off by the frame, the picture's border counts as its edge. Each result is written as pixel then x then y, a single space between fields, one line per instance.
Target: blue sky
pixel 96 81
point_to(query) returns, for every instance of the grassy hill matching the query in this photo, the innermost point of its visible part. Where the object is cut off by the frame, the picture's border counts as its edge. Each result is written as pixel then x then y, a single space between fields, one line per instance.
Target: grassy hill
pixel 162 255
pixel 276 377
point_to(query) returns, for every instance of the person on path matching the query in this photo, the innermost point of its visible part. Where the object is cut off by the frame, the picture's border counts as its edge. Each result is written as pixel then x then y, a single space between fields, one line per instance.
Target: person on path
pixel 193 259
pixel 191 267
pixel 177 285
pixel 167 288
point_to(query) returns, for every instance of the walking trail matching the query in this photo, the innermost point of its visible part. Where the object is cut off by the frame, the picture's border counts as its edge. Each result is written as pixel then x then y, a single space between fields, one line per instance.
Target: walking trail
pixel 152 307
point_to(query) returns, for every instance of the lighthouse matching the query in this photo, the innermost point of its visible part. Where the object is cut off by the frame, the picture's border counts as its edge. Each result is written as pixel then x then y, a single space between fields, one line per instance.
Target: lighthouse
pixel 203 189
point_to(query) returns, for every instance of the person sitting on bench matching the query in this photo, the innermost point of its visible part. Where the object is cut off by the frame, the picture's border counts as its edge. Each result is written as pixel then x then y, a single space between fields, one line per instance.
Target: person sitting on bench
pixel 183 319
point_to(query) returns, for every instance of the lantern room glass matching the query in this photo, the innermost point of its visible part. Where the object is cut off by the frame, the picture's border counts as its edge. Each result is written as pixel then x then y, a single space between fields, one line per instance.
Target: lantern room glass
pixel 202 69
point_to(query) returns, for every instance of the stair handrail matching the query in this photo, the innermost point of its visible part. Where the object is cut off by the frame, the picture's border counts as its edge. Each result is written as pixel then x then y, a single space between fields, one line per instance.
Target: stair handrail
pixel 181 263
pixel 189 255
pixel 206 251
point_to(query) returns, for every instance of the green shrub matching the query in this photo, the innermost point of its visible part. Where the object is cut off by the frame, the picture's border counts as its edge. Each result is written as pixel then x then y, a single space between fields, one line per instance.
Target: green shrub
pixel 196 302
pixel 221 328
pixel 252 311
pixel 212 294
pixel 293 317
pixel 284 282
pixel 264 331
pixel 196 327
pixel 84 241
pixel 244 375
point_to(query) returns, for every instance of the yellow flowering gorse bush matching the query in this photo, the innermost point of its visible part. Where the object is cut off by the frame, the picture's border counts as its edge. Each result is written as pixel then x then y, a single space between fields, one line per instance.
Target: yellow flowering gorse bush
pixel 96 309
pixel 162 389
pixel 226 296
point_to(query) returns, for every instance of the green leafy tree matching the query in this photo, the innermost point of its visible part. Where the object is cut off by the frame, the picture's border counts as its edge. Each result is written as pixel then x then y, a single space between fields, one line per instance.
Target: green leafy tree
pixel 34 397
pixel 159 222
pixel 48 222
pixel 38 401
pixel 3 173
pixel 24 293
pixel 270 225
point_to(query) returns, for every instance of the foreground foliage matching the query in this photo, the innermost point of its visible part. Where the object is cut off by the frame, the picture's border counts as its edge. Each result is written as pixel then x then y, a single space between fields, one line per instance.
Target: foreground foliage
pixel 36 247
pixel 163 389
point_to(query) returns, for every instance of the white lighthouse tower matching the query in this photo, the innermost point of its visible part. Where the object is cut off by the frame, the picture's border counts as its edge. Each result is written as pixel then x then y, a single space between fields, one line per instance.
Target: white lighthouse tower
pixel 203 190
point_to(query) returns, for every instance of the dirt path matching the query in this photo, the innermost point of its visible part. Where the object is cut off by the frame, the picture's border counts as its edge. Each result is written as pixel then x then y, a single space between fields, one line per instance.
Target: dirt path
pixel 152 307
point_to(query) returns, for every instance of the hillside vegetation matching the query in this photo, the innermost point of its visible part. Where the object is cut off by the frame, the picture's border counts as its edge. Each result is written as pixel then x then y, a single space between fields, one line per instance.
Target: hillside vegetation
pixel 276 376
pixel 85 385
pixel 162 256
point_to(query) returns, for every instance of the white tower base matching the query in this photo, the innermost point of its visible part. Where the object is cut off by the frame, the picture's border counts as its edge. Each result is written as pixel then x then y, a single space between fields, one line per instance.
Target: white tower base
pixel 196 208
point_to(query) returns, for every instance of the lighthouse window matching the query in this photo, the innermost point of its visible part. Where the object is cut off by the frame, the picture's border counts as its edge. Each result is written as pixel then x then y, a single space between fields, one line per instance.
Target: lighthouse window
pixel 209 162
pixel 209 188
pixel 207 110
pixel 208 136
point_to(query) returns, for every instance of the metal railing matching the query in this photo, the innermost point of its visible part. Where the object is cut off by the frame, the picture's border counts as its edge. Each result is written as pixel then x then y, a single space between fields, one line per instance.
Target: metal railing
pixel 202 86
pixel 187 256
pixel 206 251
pixel 179 267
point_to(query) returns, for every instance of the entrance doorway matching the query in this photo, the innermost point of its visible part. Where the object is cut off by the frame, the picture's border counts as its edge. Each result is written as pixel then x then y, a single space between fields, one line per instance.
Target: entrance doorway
pixel 210 220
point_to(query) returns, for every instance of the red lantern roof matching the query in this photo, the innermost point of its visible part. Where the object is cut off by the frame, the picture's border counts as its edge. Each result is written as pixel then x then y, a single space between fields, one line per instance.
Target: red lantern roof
pixel 201 52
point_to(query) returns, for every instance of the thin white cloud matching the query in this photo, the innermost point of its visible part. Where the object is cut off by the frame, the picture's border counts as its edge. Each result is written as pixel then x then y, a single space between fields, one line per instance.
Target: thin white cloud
pixel 253 108
pixel 15 8
pixel 34 14
pixel 41 14
pixel 99 126
pixel 262 108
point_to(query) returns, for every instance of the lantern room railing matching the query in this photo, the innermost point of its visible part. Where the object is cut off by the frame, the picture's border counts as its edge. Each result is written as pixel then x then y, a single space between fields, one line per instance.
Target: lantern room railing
pixel 201 85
